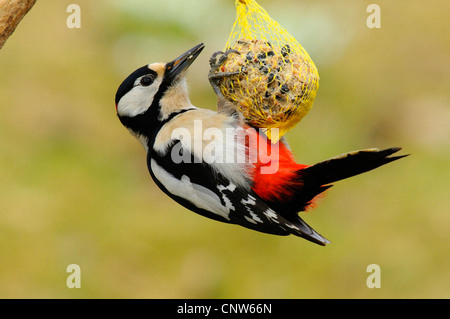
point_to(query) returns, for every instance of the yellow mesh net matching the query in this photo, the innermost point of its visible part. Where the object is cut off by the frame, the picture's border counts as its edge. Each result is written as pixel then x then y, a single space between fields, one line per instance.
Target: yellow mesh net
pixel 277 81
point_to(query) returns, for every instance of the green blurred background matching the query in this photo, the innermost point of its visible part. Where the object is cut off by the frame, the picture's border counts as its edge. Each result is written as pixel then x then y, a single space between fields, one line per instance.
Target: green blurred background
pixel 74 186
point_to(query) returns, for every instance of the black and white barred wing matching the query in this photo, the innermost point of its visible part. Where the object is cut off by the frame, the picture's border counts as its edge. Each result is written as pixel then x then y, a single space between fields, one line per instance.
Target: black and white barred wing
pixel 204 189
pixel 251 211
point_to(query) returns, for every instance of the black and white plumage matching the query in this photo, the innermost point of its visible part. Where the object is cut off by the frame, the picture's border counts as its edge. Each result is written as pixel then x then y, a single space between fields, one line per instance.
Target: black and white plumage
pixel 153 103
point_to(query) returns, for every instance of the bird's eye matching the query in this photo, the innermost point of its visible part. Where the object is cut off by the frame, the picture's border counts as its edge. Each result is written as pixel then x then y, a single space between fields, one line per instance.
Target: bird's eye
pixel 146 80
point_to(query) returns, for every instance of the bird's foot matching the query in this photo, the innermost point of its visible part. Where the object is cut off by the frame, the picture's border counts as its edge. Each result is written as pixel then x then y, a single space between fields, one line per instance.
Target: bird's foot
pixel 217 59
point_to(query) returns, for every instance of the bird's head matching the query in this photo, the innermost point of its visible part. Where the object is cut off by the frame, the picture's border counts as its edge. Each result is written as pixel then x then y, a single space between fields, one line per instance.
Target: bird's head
pixel 153 92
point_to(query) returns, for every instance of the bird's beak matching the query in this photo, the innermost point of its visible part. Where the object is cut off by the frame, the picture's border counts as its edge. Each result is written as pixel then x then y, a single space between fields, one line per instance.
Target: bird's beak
pixel 180 64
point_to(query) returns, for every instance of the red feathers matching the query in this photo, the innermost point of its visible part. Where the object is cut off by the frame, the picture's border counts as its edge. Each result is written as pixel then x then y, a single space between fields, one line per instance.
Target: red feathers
pixel 275 176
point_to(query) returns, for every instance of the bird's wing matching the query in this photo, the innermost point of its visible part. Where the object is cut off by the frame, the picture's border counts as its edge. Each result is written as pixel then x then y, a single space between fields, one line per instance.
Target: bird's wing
pixel 201 188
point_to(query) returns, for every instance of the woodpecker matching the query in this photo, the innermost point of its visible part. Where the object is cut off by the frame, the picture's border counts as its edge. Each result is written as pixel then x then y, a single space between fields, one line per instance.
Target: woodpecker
pixel 237 177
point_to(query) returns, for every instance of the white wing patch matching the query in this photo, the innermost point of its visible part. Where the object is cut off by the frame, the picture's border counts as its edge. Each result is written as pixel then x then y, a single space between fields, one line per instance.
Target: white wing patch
pixel 227 201
pixel 198 195
pixel 271 215
pixel 231 187
pixel 251 201
pixel 254 218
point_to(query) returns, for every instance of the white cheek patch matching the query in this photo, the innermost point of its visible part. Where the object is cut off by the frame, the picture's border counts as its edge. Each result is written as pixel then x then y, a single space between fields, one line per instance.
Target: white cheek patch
pixel 138 99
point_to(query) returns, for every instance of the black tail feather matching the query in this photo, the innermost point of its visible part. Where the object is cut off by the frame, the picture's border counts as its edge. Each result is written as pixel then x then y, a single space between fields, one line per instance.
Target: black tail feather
pixel 317 178
pixel 347 165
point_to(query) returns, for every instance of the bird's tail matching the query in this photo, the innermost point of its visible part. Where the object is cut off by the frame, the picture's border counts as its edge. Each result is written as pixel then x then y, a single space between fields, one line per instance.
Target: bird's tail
pixel 318 177
pixel 315 179
pixel 311 181
pixel 348 165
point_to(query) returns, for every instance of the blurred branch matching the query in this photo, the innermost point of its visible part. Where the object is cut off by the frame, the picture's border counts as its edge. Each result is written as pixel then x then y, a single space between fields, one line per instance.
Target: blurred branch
pixel 11 13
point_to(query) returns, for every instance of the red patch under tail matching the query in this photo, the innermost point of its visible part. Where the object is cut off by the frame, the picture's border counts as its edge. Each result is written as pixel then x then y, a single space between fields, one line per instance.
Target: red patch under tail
pixel 276 173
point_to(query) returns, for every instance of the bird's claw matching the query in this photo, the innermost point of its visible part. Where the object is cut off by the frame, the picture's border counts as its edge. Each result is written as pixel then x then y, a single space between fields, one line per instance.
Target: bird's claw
pixel 217 59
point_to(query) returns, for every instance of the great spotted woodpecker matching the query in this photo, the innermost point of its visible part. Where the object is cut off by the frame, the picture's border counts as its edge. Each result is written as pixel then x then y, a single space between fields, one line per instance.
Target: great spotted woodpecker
pixel 215 165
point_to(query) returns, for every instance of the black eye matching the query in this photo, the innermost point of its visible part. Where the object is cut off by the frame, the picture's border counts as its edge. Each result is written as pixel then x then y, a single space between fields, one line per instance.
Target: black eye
pixel 146 80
